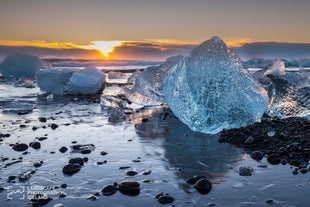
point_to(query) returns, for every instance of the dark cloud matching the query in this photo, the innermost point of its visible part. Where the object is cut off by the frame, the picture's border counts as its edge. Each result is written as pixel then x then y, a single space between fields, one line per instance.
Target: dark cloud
pixel 50 52
pixel 150 51
pixel 273 50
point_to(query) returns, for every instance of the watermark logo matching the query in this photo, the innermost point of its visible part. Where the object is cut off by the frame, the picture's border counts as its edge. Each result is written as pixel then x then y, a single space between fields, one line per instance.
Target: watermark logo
pixel 18 192
pixel 22 192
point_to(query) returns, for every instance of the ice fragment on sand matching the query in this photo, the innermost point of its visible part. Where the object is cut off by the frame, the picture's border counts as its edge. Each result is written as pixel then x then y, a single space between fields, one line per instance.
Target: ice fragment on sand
pixel 71 81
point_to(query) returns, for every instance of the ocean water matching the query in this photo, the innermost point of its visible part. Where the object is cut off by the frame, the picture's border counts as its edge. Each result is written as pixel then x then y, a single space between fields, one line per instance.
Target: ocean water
pixel 150 139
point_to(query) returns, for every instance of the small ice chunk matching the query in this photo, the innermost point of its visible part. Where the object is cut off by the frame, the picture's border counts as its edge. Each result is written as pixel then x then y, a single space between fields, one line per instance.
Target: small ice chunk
pixel 20 65
pixel 148 86
pixel 87 81
pixel 271 133
pixel 276 68
pixel 55 81
pixel 116 75
pixel 71 81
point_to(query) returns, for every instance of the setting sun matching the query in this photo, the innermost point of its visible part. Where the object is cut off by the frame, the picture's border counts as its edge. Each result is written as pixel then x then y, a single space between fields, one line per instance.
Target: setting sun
pixel 106 47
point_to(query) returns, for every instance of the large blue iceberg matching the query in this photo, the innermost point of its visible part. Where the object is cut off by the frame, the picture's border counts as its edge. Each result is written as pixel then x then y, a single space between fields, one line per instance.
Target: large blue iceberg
pixel 209 90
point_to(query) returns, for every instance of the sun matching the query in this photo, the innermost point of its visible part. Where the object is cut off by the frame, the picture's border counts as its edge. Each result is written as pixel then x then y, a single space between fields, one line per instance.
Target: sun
pixel 106 47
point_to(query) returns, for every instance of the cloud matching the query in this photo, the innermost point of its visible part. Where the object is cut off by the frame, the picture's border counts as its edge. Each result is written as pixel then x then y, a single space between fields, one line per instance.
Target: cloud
pixel 273 50
pixel 74 53
pixel 154 50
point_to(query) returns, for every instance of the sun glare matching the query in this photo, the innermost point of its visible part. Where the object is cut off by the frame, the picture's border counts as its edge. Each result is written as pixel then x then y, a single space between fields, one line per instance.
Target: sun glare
pixel 106 47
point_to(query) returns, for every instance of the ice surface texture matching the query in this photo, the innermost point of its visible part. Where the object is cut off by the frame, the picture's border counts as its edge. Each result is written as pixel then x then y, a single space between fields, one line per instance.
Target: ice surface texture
pixel 20 65
pixel 286 99
pixel 209 90
pixel 276 68
pixel 148 86
pixel 73 81
pixel 299 78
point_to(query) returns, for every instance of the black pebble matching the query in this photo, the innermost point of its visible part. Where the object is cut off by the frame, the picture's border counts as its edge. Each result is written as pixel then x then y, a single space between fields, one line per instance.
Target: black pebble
pixel 62 195
pixel 42 119
pixel 103 153
pixel 54 126
pixel 12 177
pixel 194 179
pixel 145 120
pixel 123 167
pixel 42 138
pixel 78 160
pixel 245 171
pixel 146 172
pixel 37 164
pixel 64 185
pixel 136 160
pixel 257 155
pixel 165 199
pixel 71 169
pixel 92 198
pixel 129 187
pixel 108 190
pixel 35 145
pixel 101 162
pixel 63 149
pixel 20 147
pixel 86 151
pixel 274 159
pixel 203 186
pixel 131 172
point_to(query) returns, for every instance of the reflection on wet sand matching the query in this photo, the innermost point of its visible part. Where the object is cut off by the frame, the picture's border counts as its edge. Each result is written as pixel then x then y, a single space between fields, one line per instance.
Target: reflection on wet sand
pixel 190 152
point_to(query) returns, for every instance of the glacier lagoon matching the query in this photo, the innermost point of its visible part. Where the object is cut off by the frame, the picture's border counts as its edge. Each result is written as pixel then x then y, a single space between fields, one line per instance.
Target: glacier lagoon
pixel 150 139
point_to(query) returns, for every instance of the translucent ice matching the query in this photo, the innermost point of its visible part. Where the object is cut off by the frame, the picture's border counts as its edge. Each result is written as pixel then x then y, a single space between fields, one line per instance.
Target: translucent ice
pixel 148 86
pixel 73 81
pixel 55 81
pixel 133 77
pixel 209 90
pixel 116 75
pixel 87 81
pixel 288 100
pixel 276 68
pixel 20 65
